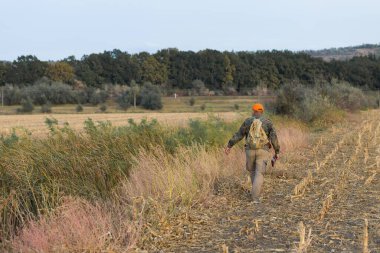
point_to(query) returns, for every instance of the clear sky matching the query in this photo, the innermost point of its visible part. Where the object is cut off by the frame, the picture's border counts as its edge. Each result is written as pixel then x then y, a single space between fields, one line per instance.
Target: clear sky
pixel 55 29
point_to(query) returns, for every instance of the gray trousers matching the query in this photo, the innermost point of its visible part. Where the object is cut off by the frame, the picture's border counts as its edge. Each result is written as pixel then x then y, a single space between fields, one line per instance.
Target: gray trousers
pixel 256 165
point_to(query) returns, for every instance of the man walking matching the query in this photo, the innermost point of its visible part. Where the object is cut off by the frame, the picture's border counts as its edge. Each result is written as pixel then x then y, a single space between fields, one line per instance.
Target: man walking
pixel 260 136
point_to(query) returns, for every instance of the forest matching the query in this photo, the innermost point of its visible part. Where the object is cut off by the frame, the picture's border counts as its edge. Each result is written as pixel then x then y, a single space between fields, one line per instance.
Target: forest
pixel 174 70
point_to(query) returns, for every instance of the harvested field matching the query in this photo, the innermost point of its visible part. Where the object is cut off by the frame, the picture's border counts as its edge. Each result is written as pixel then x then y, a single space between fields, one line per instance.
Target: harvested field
pixel 323 198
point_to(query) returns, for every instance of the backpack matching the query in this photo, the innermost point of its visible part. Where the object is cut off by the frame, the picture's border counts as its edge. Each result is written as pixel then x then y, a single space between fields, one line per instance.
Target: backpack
pixel 257 138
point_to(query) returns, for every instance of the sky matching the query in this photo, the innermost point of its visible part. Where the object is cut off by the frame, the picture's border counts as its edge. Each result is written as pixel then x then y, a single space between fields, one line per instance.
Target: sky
pixel 55 29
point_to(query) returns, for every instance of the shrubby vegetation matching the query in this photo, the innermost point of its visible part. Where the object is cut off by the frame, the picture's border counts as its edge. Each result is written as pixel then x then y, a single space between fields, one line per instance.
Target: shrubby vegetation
pixel 26 106
pixel 314 102
pixel 150 97
pixel 46 108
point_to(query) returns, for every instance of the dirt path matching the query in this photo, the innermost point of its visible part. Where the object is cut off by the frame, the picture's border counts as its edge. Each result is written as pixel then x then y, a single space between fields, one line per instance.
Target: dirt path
pixel 330 187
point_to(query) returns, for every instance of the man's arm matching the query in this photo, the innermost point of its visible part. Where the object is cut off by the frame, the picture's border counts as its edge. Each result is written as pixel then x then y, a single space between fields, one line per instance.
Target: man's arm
pixel 240 134
pixel 273 138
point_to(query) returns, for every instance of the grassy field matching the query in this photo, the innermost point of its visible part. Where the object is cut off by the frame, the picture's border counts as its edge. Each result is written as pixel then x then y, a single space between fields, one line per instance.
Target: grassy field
pixel 175 111
pixel 35 123
pixel 180 104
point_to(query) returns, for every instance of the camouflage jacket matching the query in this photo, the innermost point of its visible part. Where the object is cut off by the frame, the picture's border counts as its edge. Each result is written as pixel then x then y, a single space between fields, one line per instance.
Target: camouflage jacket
pixel 244 130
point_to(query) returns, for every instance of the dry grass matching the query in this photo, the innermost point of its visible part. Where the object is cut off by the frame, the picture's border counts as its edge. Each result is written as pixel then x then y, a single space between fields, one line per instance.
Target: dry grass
pixel 167 184
pixel 292 137
pixel 36 123
pixel 76 226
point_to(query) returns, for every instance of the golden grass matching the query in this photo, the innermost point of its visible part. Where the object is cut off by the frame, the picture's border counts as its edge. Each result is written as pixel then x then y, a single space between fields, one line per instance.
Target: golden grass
pixel 36 123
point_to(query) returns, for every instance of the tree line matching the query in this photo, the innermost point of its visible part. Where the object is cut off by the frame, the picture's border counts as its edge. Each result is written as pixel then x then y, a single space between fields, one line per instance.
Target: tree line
pixel 171 69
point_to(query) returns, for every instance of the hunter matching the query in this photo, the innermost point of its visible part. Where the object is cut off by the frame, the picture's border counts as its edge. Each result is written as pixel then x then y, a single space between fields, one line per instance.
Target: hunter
pixel 260 136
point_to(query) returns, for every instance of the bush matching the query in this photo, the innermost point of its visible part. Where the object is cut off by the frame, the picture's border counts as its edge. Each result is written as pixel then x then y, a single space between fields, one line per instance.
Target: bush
pixel 203 107
pixel 12 95
pixel 81 97
pixel 301 102
pixel 151 97
pixel 45 91
pixel 46 108
pixel 79 108
pixel 345 96
pixel 103 108
pixel 98 97
pixel 125 100
pixel 199 87
pixel 26 106
pixel 192 101
pixel 236 107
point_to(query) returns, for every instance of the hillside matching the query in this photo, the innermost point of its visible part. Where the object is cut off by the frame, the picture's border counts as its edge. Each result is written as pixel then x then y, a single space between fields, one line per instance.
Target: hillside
pixel 345 53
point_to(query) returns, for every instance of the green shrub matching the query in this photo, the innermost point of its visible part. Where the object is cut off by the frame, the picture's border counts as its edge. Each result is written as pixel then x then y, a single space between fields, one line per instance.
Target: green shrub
pixel 98 97
pixel 150 97
pixel 192 101
pixel 125 100
pixel 79 108
pixel 46 108
pixel 203 107
pixel 103 108
pixel 301 102
pixel 12 95
pixel 45 91
pixel 236 107
pixel 345 96
pixel 26 106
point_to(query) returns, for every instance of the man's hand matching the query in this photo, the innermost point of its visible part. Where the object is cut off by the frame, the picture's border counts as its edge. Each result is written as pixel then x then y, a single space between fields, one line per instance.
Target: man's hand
pixel 227 150
pixel 274 159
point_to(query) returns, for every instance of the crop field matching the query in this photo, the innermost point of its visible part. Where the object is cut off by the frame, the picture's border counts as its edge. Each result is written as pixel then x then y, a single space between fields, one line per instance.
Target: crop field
pixel 157 187
pixel 322 197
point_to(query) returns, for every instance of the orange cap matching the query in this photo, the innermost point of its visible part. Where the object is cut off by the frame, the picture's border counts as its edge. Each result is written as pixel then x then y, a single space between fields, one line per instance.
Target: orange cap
pixel 258 108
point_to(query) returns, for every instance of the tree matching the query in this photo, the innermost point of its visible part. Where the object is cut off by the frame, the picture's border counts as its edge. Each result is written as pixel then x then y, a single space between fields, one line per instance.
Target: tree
pixel 229 71
pixel 4 68
pixel 60 71
pixel 135 88
pixel 199 87
pixel 154 71
pixel 27 70
pixel 124 100
pixel 150 97
pixel 26 106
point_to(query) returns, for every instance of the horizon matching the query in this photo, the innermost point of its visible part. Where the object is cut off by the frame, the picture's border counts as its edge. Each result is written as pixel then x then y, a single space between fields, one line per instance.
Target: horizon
pixel 53 30
pixel 195 51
